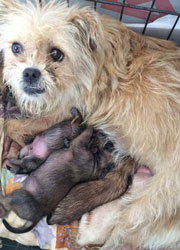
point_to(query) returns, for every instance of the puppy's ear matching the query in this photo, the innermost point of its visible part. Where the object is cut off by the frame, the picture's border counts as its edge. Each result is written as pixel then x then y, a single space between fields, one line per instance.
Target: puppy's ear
pixel 89 26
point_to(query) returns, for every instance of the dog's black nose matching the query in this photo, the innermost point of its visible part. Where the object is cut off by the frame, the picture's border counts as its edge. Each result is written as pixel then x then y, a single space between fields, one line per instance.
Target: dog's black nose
pixel 31 75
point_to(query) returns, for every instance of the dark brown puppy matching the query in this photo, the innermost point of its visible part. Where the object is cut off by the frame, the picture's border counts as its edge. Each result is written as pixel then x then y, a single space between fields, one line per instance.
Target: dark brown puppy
pixel 85 197
pixel 39 147
pixel 50 182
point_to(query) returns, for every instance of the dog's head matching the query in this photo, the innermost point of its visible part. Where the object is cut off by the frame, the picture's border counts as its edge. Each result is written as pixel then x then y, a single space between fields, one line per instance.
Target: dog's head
pixel 50 53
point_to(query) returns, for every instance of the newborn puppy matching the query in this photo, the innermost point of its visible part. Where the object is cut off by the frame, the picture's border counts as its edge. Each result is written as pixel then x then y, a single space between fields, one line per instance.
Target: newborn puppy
pixel 40 147
pixel 84 197
pixel 51 182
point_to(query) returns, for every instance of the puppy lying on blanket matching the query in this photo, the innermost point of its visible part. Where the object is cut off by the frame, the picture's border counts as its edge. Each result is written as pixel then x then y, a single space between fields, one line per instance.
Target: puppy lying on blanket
pixel 62 169
pixel 39 148
pixel 57 169
pixel 84 197
pixel 38 197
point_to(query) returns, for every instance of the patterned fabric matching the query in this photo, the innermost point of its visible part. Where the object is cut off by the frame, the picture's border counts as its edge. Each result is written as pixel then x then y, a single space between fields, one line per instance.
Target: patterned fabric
pixel 48 237
pixel 43 233
pixel 65 235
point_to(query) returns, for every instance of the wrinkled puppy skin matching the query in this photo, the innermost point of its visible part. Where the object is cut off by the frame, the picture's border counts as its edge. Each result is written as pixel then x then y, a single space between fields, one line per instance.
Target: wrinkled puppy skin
pixel 85 197
pixel 39 147
pixel 52 180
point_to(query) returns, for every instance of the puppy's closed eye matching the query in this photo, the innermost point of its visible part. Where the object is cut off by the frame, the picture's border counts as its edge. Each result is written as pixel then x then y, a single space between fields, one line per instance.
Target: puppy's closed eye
pixel 109 146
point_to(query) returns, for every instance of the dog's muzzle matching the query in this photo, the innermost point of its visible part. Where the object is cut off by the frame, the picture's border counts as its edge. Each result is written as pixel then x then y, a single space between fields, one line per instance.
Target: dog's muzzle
pixel 31 78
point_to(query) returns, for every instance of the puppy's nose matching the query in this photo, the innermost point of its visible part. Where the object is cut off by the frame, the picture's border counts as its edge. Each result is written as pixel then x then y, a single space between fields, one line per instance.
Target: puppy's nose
pixel 31 75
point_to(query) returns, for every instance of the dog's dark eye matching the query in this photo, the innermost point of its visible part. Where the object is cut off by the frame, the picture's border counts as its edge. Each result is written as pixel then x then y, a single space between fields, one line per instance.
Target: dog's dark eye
pixel 56 55
pixel 17 48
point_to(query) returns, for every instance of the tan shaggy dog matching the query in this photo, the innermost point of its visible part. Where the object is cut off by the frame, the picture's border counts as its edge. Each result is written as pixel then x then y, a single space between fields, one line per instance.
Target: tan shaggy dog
pixel 125 84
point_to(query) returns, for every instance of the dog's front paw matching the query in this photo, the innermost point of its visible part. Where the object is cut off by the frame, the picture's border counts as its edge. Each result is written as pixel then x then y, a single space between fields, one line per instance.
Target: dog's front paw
pixel 88 232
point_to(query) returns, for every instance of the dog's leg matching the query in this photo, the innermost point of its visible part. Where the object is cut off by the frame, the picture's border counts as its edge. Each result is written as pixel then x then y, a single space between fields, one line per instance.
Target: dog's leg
pixel 18 130
pixel 163 235
pixel 150 218
pixel 96 226
pixel 107 215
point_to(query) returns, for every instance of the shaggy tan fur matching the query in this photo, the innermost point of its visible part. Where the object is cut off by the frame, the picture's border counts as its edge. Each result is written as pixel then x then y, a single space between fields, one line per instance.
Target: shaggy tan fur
pixel 125 84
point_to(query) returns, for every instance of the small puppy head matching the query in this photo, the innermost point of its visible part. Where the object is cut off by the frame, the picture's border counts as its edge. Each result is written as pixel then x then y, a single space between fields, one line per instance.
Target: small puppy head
pixel 50 53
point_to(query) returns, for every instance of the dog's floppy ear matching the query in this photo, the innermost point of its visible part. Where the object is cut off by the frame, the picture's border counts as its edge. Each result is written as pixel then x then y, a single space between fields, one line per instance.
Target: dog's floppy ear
pixel 89 26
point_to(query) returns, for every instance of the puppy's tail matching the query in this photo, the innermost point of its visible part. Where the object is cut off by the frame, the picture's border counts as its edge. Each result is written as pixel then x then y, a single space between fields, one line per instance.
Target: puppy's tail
pixel 28 226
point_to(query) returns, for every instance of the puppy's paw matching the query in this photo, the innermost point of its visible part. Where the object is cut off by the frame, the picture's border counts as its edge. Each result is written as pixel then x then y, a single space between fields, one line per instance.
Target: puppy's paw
pixel 14 169
pixel 77 118
pixel 74 112
pixel 66 142
pixel 15 162
pixel 23 166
